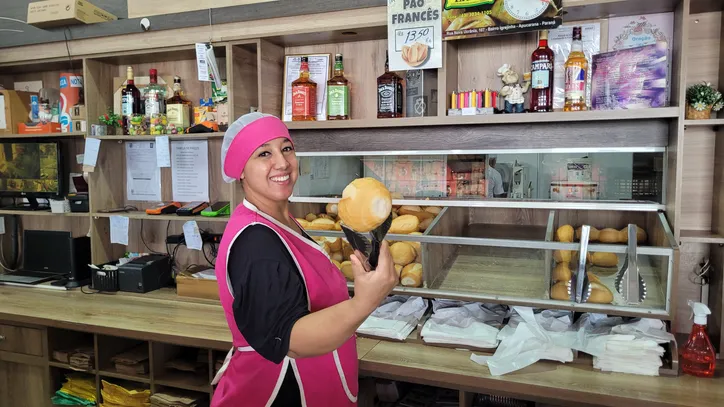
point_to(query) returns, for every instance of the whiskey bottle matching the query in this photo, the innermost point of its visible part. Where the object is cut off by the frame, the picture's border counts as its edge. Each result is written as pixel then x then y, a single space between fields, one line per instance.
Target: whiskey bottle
pixel 304 95
pixel 576 72
pixel 541 98
pixel 154 96
pixel 338 92
pixel 389 93
pixel 178 109
pixel 130 100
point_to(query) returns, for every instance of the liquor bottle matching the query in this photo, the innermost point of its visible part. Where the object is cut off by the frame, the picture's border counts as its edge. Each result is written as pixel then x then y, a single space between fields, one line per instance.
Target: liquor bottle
pixel 541 98
pixel 130 100
pixel 338 92
pixel 154 96
pixel 576 72
pixel 304 95
pixel 178 109
pixel 389 93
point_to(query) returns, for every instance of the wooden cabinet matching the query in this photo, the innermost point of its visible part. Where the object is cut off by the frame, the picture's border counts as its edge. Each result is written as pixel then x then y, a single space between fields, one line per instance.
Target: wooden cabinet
pixel 18 339
pixel 23 385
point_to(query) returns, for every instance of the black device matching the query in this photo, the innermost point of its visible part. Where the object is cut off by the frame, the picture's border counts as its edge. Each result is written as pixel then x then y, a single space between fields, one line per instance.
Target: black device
pixel 51 255
pixel 192 208
pixel 144 274
pixel 104 280
pixel 79 200
pixel 32 169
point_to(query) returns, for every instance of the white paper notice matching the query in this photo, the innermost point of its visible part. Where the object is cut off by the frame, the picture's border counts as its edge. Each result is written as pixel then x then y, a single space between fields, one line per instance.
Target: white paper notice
pixel 192 237
pixel 143 177
pixel 3 121
pixel 90 153
pixel 163 156
pixel 190 170
pixel 119 230
pixel 414 36
pixel 201 63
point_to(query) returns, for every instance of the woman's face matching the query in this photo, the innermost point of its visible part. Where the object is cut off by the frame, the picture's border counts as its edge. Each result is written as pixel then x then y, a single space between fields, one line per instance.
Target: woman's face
pixel 272 170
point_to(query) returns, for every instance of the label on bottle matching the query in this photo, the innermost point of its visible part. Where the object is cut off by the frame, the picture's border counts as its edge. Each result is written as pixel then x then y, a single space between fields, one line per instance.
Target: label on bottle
pixel 398 104
pixel 386 98
pixel 540 74
pixel 304 101
pixel 178 115
pixel 575 84
pixel 153 106
pixel 337 100
pixel 127 105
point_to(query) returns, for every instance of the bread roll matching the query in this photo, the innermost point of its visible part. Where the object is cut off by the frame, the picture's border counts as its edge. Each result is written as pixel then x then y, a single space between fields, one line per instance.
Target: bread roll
pixel 641 235
pixel 593 278
pixel 303 223
pixel 602 259
pixel 425 224
pixel 321 224
pixel 347 250
pixel 403 253
pixel 365 204
pixel 609 235
pixel 593 236
pixel 310 217
pixel 404 224
pixel 337 256
pixel 338 225
pixel 346 268
pixel 331 209
pixel 435 210
pixel 325 216
pixel 326 248
pixel 600 294
pixel 337 263
pixel 562 256
pixel 411 275
pixel 335 243
pixel 394 214
pixel 398 268
pixel 410 208
pixel 561 272
pixel 565 234
pixel 416 245
pixel 559 291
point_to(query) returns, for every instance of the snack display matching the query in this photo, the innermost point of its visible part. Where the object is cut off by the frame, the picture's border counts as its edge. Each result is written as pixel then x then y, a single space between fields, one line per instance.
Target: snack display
pixel 365 204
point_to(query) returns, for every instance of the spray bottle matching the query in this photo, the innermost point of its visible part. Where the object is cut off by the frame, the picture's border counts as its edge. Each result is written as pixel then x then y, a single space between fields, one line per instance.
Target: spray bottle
pixel 697 355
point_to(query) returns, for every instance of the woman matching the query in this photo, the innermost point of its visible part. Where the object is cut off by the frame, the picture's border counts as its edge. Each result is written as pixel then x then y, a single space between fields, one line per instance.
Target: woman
pixel 288 308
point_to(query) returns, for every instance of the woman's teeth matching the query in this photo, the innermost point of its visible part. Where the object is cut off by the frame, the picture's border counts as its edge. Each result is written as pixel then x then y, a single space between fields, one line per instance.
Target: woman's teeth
pixel 280 179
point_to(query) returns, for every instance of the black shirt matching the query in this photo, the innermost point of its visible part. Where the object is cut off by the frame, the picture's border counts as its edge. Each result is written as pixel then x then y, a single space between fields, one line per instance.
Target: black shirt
pixel 269 297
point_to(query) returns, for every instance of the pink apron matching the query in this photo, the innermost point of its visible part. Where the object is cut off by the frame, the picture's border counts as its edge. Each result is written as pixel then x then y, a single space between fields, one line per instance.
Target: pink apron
pixel 246 378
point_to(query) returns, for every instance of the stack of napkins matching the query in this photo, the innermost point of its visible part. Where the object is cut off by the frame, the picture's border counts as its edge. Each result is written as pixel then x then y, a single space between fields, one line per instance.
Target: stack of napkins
pixel 78 390
pixel 464 324
pixel 82 358
pixel 395 319
pixel 175 398
pixel 119 396
pixel 133 361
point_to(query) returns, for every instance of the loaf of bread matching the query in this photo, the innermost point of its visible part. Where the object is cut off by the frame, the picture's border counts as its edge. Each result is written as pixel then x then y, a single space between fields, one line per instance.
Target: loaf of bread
pixel 416 211
pixel 425 224
pixel 411 275
pixel 609 235
pixel 405 224
pixel 326 216
pixel 321 224
pixel 416 245
pixel 600 294
pixel 398 268
pixel 602 259
pixel 347 250
pixel 337 256
pixel 338 264
pixel 593 278
pixel 366 203
pixel 402 253
pixel 310 217
pixel 335 243
pixel 559 291
pixel 565 234
pixel 331 209
pixel 641 235
pixel 338 225
pixel 303 223
pixel 346 268
pixel 409 208
pixel 561 272
pixel 562 256
pixel 435 210
pixel 593 235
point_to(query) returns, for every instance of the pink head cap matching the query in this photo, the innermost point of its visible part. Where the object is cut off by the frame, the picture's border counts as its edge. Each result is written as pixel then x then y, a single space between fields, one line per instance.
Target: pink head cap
pixel 243 137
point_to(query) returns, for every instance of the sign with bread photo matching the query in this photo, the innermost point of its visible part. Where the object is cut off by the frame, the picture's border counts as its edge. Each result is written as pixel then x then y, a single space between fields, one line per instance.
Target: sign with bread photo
pixel 481 18
pixel 413 34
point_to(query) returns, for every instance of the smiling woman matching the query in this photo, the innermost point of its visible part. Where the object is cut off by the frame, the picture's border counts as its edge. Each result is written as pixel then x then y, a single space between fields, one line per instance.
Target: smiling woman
pixel 282 296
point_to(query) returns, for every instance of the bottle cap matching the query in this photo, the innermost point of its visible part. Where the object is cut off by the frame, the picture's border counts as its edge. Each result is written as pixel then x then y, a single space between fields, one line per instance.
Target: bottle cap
pixel 700 312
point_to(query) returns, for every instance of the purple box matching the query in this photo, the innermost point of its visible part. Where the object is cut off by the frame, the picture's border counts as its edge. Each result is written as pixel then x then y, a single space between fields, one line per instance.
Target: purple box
pixel 631 78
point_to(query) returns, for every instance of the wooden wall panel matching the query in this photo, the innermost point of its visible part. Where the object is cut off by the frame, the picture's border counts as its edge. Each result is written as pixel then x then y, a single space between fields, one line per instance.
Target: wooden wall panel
pixel 697 179
pixel 244 81
pixel 145 8
pixel 702 48
pixel 271 78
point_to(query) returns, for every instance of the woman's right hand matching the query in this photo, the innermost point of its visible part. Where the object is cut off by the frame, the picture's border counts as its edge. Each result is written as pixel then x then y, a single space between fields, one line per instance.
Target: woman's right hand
pixel 371 287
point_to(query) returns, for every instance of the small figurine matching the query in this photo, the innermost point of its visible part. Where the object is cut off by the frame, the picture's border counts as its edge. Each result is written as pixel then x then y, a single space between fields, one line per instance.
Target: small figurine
pixel 513 91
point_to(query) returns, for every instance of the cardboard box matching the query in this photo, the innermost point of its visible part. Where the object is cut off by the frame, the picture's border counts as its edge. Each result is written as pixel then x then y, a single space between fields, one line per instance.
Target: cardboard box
pixel 39 128
pixel 14 109
pixel 54 13
pixel 187 286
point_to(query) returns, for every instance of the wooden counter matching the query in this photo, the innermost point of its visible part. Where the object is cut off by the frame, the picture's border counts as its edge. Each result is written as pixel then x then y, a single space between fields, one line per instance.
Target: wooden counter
pixel 162 317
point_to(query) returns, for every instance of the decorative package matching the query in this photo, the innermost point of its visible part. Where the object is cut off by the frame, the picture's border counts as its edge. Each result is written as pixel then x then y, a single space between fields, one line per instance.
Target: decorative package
pixel 631 78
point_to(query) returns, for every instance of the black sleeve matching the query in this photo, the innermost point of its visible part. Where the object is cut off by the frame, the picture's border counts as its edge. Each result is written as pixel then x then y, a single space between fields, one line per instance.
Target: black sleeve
pixel 269 294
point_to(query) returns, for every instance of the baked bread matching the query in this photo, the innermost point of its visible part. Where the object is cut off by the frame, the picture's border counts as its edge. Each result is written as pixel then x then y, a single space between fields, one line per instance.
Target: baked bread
pixel 338 264
pixel 593 278
pixel 365 204
pixel 561 272
pixel 331 209
pixel 602 259
pixel 405 224
pixel 593 236
pixel 425 224
pixel 421 215
pixel 416 245
pixel 641 235
pixel 321 224
pixel 346 269
pixel 600 294
pixel 410 208
pixel 411 275
pixel 338 226
pixel 303 223
pixel 435 210
pixel 335 243
pixel 562 256
pixel 609 235
pixel 559 291
pixel 398 268
pixel 565 234
pixel 325 216
pixel 310 217
pixel 347 250
pixel 337 256
pixel 402 253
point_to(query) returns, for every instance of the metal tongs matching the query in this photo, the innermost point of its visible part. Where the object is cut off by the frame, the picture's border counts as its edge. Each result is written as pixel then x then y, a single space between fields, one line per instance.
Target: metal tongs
pixel 370 247
pixel 629 282
pixel 579 288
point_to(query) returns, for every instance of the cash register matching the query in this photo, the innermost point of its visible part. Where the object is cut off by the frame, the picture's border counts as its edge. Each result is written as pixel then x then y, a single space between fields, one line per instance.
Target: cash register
pixel 144 274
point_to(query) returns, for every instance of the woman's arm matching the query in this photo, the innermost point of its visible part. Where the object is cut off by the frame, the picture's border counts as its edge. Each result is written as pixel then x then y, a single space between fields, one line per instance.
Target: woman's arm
pixel 326 330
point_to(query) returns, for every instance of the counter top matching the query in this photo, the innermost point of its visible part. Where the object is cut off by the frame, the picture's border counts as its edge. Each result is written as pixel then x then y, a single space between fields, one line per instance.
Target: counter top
pixel 164 317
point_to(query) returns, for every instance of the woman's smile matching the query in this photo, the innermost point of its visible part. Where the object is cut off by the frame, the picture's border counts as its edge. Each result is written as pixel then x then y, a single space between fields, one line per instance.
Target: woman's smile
pixel 281 179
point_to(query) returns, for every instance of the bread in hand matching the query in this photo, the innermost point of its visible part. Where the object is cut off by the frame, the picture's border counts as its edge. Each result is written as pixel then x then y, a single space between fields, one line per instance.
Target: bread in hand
pixel 403 253
pixel 411 275
pixel 405 224
pixel 366 203
pixel 565 234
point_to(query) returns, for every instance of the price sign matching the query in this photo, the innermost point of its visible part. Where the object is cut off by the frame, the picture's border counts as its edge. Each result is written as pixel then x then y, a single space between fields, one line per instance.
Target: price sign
pixel 414 34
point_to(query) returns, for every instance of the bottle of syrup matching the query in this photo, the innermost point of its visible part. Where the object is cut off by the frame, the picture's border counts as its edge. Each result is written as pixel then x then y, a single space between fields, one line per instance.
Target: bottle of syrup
pixel 697 355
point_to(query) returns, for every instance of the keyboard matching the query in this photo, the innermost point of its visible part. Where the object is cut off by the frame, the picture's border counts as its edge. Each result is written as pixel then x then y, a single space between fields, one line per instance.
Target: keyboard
pixel 28 277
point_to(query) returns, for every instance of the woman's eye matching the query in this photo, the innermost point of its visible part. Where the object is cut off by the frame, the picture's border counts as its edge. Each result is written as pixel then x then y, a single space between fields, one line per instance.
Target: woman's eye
pixel 264 154
pixel 288 148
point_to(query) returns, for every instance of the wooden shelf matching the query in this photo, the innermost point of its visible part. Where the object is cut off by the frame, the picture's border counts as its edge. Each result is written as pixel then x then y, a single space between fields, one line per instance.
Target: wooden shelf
pixel 184 380
pixel 700 236
pixel 703 123
pixel 145 216
pixel 9 212
pixel 66 366
pixel 521 118
pixel 45 135
pixel 193 136
pixel 115 375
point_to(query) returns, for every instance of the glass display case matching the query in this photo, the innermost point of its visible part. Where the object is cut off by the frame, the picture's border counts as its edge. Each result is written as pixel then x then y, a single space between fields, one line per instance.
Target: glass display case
pixel 525 245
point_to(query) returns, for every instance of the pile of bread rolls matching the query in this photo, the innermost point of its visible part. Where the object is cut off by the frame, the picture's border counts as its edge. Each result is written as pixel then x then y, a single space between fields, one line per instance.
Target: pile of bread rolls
pixel 562 273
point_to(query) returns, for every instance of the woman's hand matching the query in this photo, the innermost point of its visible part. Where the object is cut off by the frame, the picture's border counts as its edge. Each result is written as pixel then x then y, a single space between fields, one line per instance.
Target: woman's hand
pixel 371 287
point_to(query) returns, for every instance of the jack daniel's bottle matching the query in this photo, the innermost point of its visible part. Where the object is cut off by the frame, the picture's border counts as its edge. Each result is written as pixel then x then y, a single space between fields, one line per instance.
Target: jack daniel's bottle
pixel 389 93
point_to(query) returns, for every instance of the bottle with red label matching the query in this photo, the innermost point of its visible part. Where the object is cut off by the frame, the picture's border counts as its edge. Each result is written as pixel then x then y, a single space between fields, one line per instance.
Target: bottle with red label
pixel 541 99
pixel 576 75
pixel 304 95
